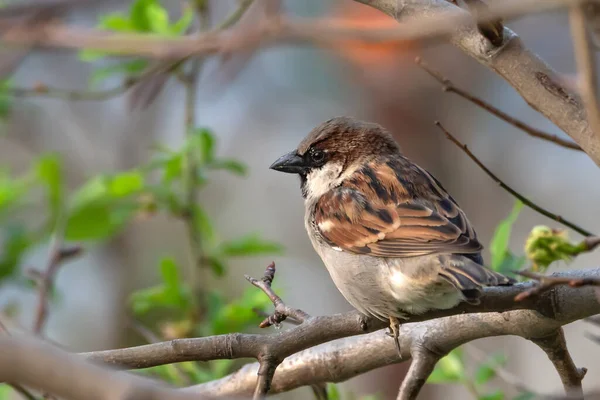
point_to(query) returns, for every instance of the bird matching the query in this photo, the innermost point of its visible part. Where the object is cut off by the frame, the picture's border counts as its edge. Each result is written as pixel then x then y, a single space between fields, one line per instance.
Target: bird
pixel 394 242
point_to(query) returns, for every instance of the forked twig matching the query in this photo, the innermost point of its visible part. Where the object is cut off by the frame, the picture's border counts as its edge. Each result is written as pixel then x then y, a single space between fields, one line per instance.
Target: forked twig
pixel 548 282
pixel 282 311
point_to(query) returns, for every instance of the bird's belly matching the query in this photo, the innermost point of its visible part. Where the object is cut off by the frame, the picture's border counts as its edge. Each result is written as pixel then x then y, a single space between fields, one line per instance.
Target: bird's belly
pixel 389 287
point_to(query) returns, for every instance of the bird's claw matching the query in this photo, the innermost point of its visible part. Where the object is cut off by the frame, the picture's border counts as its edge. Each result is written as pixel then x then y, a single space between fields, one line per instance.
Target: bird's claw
pixel 394 333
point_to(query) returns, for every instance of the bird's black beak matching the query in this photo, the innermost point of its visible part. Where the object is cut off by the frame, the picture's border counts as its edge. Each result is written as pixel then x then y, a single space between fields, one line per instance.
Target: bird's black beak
pixel 291 163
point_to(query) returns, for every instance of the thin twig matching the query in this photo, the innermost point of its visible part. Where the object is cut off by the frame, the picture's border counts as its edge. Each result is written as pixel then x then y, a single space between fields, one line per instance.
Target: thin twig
pixel 42 90
pixel 282 311
pixel 548 282
pixel 586 65
pixel 423 362
pixel 448 86
pixel 555 347
pixel 510 190
pixel 56 257
pixel 235 16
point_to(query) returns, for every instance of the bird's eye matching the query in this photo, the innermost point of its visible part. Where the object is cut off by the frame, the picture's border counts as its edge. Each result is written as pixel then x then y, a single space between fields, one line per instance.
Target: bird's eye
pixel 317 155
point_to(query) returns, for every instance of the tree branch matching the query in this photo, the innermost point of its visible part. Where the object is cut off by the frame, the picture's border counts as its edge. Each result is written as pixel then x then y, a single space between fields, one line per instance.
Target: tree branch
pixel 586 65
pixel 547 282
pixel 510 190
pixel 448 86
pixel 37 364
pixel 555 347
pixel 423 362
pixel 559 306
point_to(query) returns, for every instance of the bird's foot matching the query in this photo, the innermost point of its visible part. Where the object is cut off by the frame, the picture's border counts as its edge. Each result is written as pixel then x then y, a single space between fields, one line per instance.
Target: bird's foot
pixel 395 333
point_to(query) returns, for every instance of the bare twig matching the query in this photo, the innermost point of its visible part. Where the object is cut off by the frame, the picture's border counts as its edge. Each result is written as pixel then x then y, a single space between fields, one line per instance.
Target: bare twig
pixel 42 90
pixel 282 311
pixel 448 86
pixel 57 256
pixel 423 362
pixel 510 190
pixel 547 282
pixel 555 347
pixel 236 15
pixel 586 66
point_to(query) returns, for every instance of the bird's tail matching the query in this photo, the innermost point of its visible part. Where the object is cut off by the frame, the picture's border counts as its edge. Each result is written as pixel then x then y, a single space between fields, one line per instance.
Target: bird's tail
pixel 469 277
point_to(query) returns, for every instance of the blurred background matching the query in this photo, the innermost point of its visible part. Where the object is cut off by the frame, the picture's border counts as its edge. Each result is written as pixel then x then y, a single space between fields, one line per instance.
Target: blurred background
pixel 258 106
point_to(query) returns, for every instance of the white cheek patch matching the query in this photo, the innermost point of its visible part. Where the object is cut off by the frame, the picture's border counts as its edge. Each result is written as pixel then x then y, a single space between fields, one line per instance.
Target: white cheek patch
pixel 321 180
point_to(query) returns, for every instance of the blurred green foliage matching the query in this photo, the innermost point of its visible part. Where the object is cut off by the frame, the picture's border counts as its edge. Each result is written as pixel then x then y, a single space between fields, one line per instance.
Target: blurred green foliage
pixel 503 260
pixel 144 16
pixel 334 393
pixel 452 369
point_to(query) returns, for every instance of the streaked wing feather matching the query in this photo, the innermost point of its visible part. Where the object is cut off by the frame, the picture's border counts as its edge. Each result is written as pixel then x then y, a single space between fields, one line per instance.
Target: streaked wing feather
pixel 378 212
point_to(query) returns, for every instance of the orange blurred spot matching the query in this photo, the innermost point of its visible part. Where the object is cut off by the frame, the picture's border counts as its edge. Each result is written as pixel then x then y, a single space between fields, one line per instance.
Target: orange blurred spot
pixel 363 53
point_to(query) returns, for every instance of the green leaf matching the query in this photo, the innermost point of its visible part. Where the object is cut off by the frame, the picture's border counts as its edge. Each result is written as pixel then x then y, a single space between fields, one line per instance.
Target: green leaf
pixel 15 243
pixel 169 272
pixel 5 99
pixel 499 243
pixel 182 25
pixel 116 22
pixel 93 222
pixel 250 244
pixel 217 265
pixel 238 314
pixel 158 19
pixel 89 55
pixel 333 392
pixel 127 69
pixel 448 369
pixel 487 370
pixel 202 142
pixel 6 392
pixel 203 223
pixel 126 183
pixel 49 171
pixel 497 395
pixel 94 190
pixel 232 166
pixel 139 16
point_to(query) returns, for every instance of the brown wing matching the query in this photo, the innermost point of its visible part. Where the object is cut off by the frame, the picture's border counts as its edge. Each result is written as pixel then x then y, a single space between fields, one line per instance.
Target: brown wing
pixel 394 209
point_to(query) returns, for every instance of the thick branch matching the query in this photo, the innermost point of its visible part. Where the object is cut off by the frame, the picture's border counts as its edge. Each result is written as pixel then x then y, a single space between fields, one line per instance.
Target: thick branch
pixel 555 346
pixel 556 307
pixel 423 362
pixel 37 364
pixel 357 355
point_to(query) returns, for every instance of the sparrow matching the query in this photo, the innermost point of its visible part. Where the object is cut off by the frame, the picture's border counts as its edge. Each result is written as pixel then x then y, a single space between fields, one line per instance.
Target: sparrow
pixel 393 240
